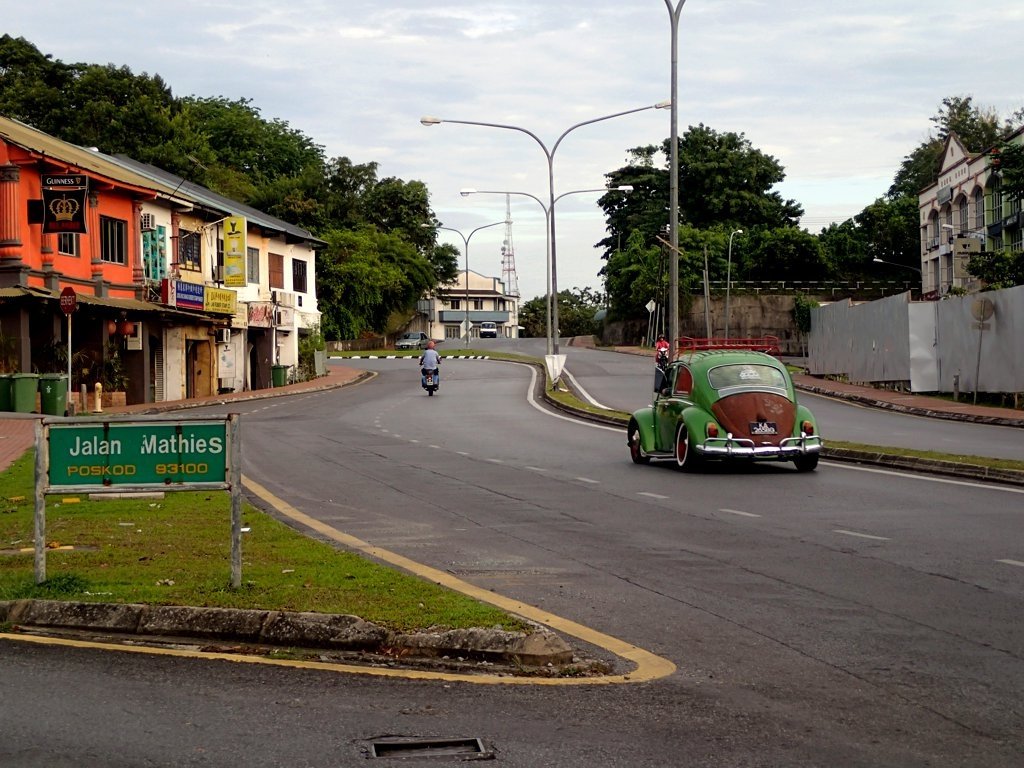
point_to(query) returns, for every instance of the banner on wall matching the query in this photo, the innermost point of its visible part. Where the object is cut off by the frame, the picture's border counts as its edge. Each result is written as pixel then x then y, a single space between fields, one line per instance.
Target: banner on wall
pixel 234 252
pixel 64 203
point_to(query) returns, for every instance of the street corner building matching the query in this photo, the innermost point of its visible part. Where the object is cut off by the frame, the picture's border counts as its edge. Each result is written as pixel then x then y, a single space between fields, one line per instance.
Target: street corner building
pixel 139 285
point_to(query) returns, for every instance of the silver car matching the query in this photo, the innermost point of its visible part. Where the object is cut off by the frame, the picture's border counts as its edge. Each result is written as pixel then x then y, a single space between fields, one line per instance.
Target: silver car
pixel 412 340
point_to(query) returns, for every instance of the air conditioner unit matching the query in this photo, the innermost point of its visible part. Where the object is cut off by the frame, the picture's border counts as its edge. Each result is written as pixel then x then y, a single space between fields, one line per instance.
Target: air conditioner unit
pixel 223 335
pixel 148 222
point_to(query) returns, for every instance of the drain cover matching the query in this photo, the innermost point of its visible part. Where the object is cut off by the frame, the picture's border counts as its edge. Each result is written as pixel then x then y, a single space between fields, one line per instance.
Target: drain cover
pixel 426 747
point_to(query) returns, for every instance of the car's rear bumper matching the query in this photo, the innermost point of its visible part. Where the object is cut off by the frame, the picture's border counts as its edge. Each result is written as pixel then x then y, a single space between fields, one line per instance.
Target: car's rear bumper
pixel 742 448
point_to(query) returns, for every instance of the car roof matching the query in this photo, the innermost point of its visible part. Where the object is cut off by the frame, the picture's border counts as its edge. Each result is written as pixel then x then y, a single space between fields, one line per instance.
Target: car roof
pixel 709 358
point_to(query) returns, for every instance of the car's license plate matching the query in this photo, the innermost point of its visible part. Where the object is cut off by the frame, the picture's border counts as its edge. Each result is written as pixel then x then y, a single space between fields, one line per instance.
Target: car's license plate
pixel 764 428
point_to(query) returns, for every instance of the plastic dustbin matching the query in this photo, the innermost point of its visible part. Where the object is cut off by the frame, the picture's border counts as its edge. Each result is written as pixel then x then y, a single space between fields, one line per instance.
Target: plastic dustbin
pixel 6 403
pixel 279 375
pixel 53 393
pixel 23 392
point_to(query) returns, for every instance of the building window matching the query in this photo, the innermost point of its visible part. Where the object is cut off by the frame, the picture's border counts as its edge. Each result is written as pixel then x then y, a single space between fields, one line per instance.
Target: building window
pixel 252 264
pixel 478 304
pixel 964 222
pixel 455 304
pixel 979 209
pixel 189 249
pixel 154 254
pixel 996 203
pixel 298 275
pixel 276 270
pixel 218 267
pixel 113 240
pixel 67 244
pixel 452 332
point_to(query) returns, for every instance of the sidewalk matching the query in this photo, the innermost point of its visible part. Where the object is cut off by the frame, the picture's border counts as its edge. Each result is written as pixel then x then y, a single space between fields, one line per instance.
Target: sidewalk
pixel 17 430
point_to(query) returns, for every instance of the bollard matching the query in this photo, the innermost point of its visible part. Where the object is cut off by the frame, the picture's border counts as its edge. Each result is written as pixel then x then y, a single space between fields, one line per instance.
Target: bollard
pixel 83 398
pixel 98 394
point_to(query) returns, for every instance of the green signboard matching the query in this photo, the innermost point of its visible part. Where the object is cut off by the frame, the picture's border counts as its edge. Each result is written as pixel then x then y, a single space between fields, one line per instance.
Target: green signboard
pixel 138 454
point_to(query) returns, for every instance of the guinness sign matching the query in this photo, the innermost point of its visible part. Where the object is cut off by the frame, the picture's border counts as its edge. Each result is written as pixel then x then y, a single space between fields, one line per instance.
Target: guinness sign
pixel 64 203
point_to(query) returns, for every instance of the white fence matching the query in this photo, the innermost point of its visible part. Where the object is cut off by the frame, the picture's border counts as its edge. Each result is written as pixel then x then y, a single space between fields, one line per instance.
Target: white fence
pixel 971 343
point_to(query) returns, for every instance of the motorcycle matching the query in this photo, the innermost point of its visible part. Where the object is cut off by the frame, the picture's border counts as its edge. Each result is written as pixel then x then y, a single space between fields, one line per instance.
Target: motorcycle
pixel 431 380
pixel 662 359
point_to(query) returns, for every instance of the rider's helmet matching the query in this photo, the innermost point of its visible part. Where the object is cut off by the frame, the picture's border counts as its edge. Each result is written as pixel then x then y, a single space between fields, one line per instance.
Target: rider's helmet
pixel 661 337
pixel 431 344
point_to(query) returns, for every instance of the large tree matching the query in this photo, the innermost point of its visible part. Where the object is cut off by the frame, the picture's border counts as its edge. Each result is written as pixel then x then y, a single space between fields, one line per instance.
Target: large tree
pixel 725 184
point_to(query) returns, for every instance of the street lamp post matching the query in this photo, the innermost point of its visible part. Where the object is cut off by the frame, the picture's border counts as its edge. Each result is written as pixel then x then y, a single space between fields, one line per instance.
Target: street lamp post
pixel 547 231
pixel 465 241
pixel 673 181
pixel 728 280
pixel 550 155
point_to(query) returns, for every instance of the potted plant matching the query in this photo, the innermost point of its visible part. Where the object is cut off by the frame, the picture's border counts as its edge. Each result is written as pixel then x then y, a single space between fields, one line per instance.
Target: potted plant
pixel 113 377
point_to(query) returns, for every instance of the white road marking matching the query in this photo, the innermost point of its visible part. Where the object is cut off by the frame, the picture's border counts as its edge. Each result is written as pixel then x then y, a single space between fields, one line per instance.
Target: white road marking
pixel 438 447
pixel 530 399
pixel 1017 563
pixel 651 495
pixel 582 391
pixel 588 480
pixel 495 461
pixel 739 512
pixel 861 535
pixel 537 469
pixel 924 478
pixel 413 441
pixel 462 453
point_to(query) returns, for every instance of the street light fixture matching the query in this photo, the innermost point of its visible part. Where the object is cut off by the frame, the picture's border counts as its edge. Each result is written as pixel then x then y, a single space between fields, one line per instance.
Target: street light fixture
pixel 550 155
pixel 894 264
pixel 673 181
pixel 470 191
pixel 465 241
pixel 728 280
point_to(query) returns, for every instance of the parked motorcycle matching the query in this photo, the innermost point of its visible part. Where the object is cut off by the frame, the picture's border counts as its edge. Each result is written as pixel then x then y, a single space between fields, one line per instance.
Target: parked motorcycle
pixel 431 379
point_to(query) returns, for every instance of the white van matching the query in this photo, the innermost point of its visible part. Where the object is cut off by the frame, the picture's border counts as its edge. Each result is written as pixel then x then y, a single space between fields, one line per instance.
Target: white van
pixel 488 331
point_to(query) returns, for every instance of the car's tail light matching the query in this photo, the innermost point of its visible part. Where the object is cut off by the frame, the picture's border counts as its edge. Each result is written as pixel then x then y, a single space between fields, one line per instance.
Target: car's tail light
pixel 807 427
pixel 712 430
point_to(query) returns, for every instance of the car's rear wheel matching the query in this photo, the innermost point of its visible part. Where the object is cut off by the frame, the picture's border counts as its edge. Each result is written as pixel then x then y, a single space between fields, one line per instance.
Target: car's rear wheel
pixel 636 452
pixel 686 456
pixel 806 463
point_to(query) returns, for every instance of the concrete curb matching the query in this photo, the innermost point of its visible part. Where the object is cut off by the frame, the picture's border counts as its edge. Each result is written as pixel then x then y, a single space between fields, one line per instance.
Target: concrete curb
pixel 539 648
pixel 913 410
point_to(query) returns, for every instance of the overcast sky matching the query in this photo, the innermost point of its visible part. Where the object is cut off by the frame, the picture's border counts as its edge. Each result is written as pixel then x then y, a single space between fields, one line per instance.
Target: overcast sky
pixel 837 92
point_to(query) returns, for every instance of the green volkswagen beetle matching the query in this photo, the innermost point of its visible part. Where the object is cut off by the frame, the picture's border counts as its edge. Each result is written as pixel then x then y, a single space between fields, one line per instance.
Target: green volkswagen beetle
pixel 728 404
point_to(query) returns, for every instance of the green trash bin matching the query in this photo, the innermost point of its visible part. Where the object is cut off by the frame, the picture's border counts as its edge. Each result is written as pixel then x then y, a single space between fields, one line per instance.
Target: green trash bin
pixel 279 375
pixel 6 403
pixel 24 387
pixel 53 393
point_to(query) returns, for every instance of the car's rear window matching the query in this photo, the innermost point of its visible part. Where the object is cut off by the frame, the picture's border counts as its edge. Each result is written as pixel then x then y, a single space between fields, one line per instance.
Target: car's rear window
pixel 746 375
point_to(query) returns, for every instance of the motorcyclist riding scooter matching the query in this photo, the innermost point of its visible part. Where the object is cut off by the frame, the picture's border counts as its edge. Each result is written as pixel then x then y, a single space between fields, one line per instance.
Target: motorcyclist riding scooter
pixel 661 347
pixel 430 369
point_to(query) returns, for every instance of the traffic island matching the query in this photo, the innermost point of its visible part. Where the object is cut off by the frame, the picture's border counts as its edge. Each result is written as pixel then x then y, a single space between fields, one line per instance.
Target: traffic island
pixel 139 623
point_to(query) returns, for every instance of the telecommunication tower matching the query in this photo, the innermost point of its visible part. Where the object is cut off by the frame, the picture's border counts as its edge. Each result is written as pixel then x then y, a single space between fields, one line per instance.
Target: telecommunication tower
pixel 508 254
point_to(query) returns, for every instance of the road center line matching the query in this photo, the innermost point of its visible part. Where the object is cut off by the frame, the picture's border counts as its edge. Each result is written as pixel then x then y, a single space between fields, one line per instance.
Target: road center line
pixel 588 480
pixel 861 535
pixel 1017 563
pixel 651 495
pixel 739 512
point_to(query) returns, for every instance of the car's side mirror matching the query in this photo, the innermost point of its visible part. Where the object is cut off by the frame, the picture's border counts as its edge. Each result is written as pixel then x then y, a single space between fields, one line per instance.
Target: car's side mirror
pixel 660 380
pixel 665 392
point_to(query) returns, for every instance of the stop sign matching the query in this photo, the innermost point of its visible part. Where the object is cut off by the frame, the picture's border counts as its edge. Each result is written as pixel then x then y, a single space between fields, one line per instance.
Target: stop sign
pixel 68 300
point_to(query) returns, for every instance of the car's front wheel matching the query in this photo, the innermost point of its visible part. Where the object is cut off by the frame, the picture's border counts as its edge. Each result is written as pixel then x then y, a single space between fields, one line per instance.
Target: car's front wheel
pixel 636 452
pixel 806 463
pixel 686 456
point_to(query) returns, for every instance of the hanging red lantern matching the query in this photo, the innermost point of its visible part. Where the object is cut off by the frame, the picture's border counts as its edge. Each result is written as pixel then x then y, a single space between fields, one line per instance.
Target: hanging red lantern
pixel 126 328
pixel 111 327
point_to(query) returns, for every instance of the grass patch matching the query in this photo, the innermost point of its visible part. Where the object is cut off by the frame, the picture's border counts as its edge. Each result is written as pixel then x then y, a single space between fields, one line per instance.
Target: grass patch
pixel 176 551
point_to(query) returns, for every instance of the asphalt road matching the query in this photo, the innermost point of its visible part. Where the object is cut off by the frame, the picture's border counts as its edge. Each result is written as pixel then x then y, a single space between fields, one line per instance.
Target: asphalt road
pixel 849 617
